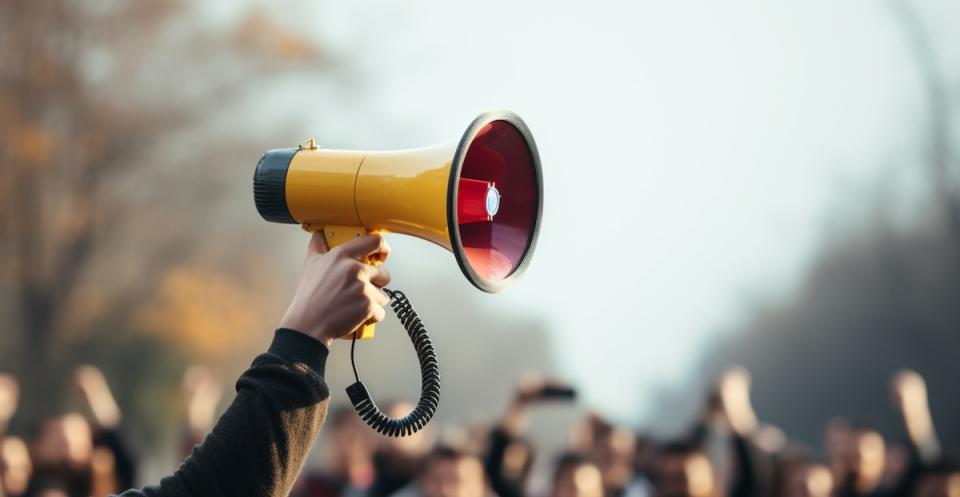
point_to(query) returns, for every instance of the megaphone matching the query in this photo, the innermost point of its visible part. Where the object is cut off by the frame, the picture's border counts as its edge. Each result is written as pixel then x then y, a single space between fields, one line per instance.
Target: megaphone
pixel 480 197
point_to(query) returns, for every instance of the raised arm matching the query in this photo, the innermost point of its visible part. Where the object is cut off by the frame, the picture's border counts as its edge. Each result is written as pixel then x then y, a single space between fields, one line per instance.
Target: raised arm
pixel 750 471
pixel 114 462
pixel 509 456
pixel 910 397
pixel 9 399
pixel 202 393
pixel 259 444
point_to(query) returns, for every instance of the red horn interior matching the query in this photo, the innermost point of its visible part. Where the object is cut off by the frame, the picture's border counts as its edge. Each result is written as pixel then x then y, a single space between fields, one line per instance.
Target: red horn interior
pixel 498 157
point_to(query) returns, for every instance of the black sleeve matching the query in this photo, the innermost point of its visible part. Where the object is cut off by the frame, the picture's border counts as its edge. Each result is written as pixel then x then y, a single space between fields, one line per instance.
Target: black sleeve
pixel 113 440
pixel 501 484
pixel 753 470
pixel 920 460
pixel 744 481
pixel 260 443
pixel 922 456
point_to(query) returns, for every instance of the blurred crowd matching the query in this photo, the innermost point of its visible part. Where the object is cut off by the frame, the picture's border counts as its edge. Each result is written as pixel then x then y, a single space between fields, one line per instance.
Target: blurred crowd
pixel 86 453
pixel 727 452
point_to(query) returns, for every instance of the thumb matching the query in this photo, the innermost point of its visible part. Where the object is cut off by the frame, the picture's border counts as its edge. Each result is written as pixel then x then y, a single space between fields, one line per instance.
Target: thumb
pixel 318 245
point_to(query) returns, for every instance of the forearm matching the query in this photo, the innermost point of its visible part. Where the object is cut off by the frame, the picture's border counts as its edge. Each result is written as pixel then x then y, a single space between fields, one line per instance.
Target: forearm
pixel 258 446
pixel 502 485
pixel 923 436
pixel 910 395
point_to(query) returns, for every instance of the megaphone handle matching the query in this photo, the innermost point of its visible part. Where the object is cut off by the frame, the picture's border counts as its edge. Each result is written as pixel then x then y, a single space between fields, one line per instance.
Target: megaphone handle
pixel 337 235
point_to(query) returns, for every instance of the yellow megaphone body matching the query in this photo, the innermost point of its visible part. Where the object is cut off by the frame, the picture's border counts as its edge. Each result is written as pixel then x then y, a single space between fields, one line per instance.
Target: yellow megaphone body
pixel 480 198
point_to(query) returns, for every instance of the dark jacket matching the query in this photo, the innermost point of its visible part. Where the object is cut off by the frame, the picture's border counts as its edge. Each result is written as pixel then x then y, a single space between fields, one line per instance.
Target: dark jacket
pixel 260 443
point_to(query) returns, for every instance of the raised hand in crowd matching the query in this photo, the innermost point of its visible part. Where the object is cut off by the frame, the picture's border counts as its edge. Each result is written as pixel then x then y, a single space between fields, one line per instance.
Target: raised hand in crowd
pixel 734 400
pixel 910 398
pixel 202 393
pixel 684 470
pixel 9 399
pixel 576 475
pixel 95 390
pixel 613 449
pixel 510 456
pixel 16 468
pixel 397 461
pixel 451 472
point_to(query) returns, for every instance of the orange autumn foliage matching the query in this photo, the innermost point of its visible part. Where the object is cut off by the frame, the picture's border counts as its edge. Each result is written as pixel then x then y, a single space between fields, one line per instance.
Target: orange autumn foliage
pixel 207 313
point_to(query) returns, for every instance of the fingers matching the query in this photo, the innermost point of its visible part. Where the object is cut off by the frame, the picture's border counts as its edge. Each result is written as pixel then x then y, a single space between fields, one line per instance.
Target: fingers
pixel 317 245
pixel 373 246
pixel 9 397
pixel 375 307
pixel 377 313
pixel 379 276
pixel 90 379
pixel 371 300
pixel 377 300
pixel 8 383
pixel 907 379
pixel 376 296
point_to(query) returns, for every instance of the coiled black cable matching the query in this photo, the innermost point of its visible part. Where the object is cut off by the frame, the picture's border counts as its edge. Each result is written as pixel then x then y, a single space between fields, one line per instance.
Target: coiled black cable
pixel 429 377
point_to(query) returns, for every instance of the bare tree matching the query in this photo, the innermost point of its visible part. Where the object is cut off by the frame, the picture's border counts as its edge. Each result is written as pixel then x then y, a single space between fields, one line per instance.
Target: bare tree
pixel 86 88
pixel 939 147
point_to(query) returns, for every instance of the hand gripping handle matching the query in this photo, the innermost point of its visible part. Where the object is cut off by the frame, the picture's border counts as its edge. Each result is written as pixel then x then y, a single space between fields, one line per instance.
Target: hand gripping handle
pixel 337 235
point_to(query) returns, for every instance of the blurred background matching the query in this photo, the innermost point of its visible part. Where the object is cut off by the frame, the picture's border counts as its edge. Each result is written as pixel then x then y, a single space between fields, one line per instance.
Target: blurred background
pixel 771 184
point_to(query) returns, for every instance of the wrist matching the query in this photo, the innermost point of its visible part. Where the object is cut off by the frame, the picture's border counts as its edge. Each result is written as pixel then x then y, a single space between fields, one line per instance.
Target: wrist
pixel 291 322
pixel 106 412
pixel 297 347
pixel 320 337
pixel 514 420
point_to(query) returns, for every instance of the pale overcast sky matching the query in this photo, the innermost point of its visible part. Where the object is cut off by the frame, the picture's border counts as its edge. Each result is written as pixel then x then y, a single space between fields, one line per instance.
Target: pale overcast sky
pixel 693 151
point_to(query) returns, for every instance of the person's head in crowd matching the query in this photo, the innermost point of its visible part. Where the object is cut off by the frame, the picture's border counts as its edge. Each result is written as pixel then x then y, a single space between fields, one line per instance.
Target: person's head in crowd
pixel 586 435
pixel 576 475
pixel 62 453
pixel 800 476
pixel 644 456
pixel 452 472
pixel 473 435
pixel 836 438
pixel 683 470
pixel 940 480
pixel 896 465
pixel 808 480
pixel 615 453
pixel 351 447
pixel 411 447
pixel 15 466
pixel 397 461
pixel 863 459
pixel 613 449
pixel 64 441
